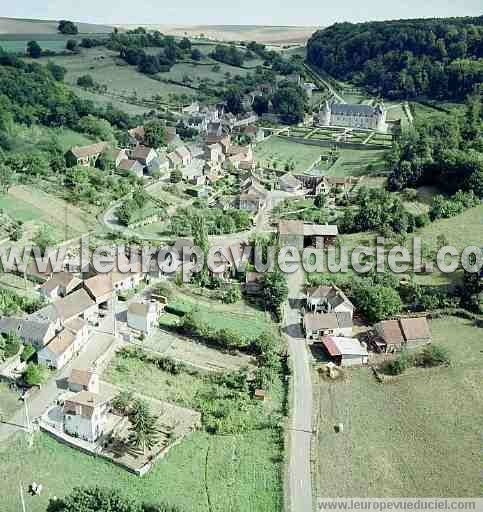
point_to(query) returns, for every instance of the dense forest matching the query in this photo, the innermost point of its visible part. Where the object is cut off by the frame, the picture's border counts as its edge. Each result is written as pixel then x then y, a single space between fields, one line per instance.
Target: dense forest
pixel 443 151
pixel 436 58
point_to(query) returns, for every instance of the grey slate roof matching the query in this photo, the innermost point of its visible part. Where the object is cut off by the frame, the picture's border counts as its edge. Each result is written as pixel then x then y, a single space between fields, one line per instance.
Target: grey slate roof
pixel 345 109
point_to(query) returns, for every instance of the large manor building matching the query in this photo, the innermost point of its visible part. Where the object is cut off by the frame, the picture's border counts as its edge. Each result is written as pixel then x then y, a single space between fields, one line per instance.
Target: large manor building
pixel 353 116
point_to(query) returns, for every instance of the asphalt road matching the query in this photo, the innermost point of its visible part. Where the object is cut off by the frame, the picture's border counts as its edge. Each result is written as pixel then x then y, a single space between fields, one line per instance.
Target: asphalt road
pixel 299 474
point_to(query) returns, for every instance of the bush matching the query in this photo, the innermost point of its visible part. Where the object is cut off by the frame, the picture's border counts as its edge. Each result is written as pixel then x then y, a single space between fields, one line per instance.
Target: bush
pixel 398 365
pixel 433 355
pixel 27 353
pixel 35 374
pixel 231 295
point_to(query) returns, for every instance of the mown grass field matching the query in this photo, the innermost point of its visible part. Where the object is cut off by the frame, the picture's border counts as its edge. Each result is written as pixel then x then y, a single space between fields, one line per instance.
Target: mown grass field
pixel 416 436
pixel 276 148
pixel 235 473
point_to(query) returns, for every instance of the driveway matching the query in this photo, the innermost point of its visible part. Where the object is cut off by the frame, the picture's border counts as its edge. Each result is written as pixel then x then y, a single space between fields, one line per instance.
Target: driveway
pixel 300 429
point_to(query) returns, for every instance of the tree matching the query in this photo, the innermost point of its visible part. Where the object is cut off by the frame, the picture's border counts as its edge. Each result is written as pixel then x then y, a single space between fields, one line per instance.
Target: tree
pixel 275 291
pixel 27 353
pixel 185 44
pixel 175 176
pixel 200 233
pixel 196 54
pixel 144 433
pixel 106 162
pixel 86 81
pixel 98 128
pixel 97 499
pixel 260 105
pixel 233 99
pixel 289 102
pixel 34 50
pixel 7 178
pixel 72 45
pixel 155 134
pixel 377 302
pixel 45 238
pixel 123 402
pixel 35 374
pixel 67 27
pixel 57 72
pixel 232 294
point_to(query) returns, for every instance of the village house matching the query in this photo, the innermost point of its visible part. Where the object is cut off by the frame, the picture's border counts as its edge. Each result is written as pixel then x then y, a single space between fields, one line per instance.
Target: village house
pixel 255 133
pixel 100 288
pixel 131 166
pixel 118 155
pixel 65 345
pixel 142 316
pixel 214 153
pixel 289 183
pixel 136 137
pixel 345 351
pixel 240 157
pixel 184 154
pixel 144 155
pixel 174 160
pixel 59 285
pixel 82 379
pixel 302 234
pixel 327 299
pixel 395 335
pixel 318 325
pixel 85 415
pixel 77 304
pixel 31 330
pixel 253 195
pixel 85 155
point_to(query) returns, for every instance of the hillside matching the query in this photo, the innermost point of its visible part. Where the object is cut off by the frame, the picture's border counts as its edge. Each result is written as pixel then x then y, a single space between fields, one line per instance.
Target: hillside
pixel 436 58
pixel 25 26
pixel 262 34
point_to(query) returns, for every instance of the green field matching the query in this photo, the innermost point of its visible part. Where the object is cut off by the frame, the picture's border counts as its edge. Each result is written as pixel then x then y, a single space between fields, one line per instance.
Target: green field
pixel 355 162
pixel 276 148
pixel 401 438
pixel 34 207
pixel 241 318
pixel 235 473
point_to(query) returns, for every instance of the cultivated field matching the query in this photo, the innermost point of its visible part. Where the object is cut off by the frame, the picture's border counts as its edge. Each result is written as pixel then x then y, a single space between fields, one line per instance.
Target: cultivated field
pixel 358 162
pixel 31 26
pixel 400 438
pixel 262 34
pixel 124 82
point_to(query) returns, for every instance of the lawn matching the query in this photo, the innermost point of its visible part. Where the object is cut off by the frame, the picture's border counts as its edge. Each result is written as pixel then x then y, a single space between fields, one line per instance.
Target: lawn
pixel 400 438
pixel 235 473
pixel 9 401
pixel 276 148
pixel 355 162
